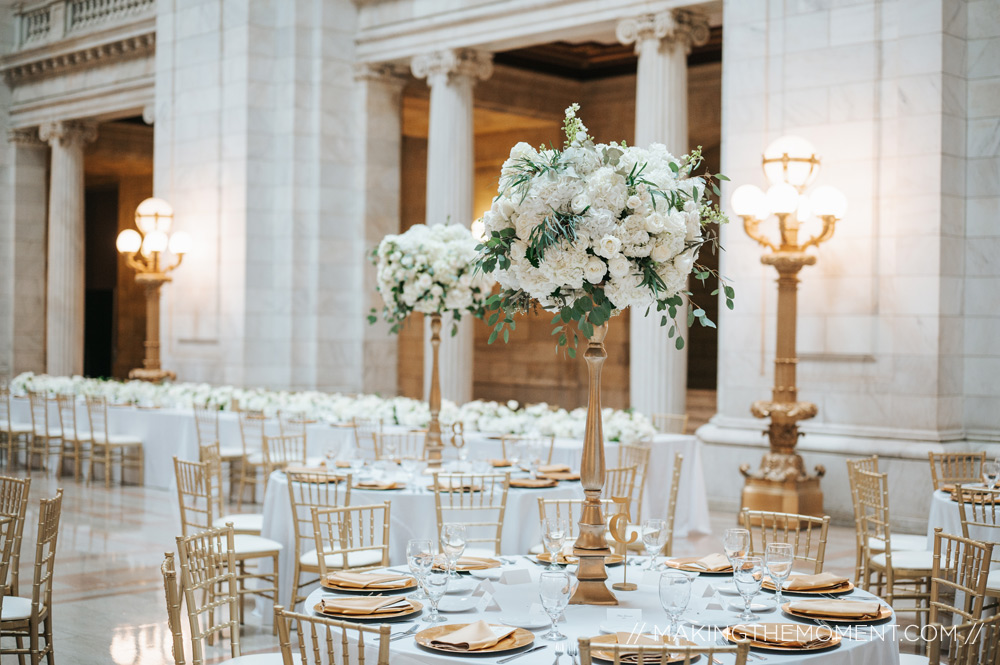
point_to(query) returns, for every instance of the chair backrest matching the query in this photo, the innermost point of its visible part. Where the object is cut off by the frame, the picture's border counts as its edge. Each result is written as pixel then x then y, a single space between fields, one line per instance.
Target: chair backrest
pixel 670 423
pixel 39 412
pixel 171 592
pixel 364 436
pixel 872 490
pixel 313 489
pixel 283 450
pixel 540 446
pixel 661 655
pixel 71 430
pixel 211 454
pixel 979 510
pixel 620 482
pixel 400 445
pixel 292 423
pixel 195 497
pixel 206 423
pixel 208 584
pixel 319 636
pixel 351 535
pixel 14 504
pixel 49 511
pixel 637 455
pixel 97 415
pixel 477 500
pixel 972 643
pixel 571 509
pixel 956 468
pixel 8 525
pixel 675 483
pixel 5 410
pixel 806 534
pixel 961 569
pixel 869 464
pixel 252 427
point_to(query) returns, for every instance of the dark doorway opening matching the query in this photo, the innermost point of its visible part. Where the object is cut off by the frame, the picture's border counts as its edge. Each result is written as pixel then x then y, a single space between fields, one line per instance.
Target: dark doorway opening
pixel 101 214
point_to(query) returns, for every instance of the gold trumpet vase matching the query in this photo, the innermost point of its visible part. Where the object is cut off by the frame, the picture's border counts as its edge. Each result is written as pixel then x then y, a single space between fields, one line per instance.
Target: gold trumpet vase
pixel 591 545
pixel 432 444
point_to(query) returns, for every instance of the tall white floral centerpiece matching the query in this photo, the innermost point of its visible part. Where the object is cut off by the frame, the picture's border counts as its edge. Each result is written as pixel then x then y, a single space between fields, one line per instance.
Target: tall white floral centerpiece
pixel 585 232
pixel 430 269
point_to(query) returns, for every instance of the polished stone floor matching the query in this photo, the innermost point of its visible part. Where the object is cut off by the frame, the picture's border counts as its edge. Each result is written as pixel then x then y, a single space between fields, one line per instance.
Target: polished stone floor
pixel 108 592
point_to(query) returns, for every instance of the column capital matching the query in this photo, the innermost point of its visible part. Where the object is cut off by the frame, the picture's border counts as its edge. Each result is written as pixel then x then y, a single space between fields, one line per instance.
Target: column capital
pixel 676 26
pixel 381 72
pixel 470 63
pixel 68 133
pixel 27 137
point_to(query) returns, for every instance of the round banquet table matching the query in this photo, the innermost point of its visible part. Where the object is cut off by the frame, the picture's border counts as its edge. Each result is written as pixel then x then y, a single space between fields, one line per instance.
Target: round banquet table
pixel 585 621
pixel 412 515
pixel 946 514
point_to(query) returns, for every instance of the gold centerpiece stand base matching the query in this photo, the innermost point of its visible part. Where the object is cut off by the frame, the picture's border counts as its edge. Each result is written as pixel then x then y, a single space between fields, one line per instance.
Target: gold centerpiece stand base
pixel 433 444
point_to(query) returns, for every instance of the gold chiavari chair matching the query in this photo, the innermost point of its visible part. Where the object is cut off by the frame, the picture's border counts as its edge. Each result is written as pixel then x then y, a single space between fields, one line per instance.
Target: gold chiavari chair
pixel 956 468
pixel 961 571
pixel 252 429
pixel 75 439
pixel 45 440
pixel 7 528
pixel 31 618
pixel 661 655
pixel 636 455
pixel 972 643
pixel 400 445
pixel 206 421
pixel 292 423
pixel 247 523
pixel 670 517
pixel 105 445
pixel 14 437
pixel 670 423
pixel 197 508
pixel 316 636
pixel 620 482
pixel 477 500
pixel 365 430
pixel 570 510
pixel 283 450
pixel 308 490
pixel 979 509
pixel 351 537
pixel 893 571
pixel 806 534
pixel 542 445
pixel 13 505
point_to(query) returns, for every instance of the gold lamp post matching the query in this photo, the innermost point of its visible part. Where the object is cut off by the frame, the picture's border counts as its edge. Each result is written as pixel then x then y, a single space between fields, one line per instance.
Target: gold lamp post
pixel 791 165
pixel 142 250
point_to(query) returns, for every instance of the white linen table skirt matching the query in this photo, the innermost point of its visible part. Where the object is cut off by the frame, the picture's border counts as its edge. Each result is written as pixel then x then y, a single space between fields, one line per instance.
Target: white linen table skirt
pixel 945 513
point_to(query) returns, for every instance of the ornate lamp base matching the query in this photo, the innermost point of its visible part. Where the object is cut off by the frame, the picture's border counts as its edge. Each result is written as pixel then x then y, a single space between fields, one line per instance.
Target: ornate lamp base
pixel 800 496
pixel 151 375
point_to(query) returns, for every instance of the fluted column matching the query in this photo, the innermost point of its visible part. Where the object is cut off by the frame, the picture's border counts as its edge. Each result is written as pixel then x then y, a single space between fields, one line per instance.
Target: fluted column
pixel 65 287
pixel 451 76
pixel 657 370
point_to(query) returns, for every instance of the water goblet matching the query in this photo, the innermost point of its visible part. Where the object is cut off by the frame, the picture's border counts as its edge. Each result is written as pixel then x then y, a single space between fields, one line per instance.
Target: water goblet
pixel 748 573
pixel 554 590
pixel 991 472
pixel 675 594
pixel 736 543
pixel 435 585
pixel 654 537
pixel 410 466
pixel 554 533
pixel 453 545
pixel 420 557
pixel 778 558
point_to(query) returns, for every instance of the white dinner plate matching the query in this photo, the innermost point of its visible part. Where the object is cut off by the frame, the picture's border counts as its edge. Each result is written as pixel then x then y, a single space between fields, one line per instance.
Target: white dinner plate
pixel 528 621
pixel 463 586
pixel 457 603
pixel 761 605
pixel 486 574
pixel 711 618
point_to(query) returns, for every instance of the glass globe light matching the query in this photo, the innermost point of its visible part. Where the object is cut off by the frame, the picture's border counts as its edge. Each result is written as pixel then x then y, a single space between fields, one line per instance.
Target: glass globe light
pixel 478 230
pixel 180 243
pixel 782 199
pixel 749 201
pixel 791 160
pixel 828 201
pixel 804 211
pixel 129 241
pixel 155 241
pixel 154 215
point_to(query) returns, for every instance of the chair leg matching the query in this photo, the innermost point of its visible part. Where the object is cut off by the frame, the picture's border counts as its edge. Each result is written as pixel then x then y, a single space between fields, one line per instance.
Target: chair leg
pixel 243 481
pixel 33 642
pixel 274 571
pixel 107 466
pixel 142 467
pixel 50 655
pixel 19 641
pixel 241 587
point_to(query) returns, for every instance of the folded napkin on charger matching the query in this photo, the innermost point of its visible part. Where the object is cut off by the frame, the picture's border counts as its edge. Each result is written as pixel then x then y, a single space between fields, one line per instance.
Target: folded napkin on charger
pixel 847 609
pixel 473 637
pixel 498 463
pixel 369 580
pixel 342 465
pixel 553 468
pixel 814 582
pixel 713 563
pixel 376 484
pixel 783 634
pixel 475 563
pixel 365 605
pixel 532 482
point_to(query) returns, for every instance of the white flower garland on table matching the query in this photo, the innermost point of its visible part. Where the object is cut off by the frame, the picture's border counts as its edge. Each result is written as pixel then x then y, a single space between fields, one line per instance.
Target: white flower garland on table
pixel 480 416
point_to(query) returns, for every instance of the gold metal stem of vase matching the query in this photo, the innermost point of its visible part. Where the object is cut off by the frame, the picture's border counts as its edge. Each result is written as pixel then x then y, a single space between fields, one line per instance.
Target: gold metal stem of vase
pixel 433 445
pixel 591 544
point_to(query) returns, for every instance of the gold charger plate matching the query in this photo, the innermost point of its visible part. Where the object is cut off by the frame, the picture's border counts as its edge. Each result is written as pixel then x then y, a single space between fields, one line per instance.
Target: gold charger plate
pixel 608 656
pixel 846 587
pixel 563 560
pixel 883 613
pixel 561 475
pixel 518 639
pixel 415 609
pixel 834 640
pixel 385 488
pixel 315 474
pixel 525 483
pixel 367 590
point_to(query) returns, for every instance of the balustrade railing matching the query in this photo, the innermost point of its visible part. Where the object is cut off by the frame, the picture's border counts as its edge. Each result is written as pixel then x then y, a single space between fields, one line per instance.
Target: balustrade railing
pixel 51 21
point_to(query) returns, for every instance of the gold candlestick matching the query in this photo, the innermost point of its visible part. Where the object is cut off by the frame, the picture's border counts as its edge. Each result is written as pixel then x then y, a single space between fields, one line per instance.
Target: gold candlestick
pixel 432 444
pixel 591 546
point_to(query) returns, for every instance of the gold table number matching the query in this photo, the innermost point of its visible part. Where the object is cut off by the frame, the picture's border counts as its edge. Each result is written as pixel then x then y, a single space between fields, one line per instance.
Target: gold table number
pixel 618 528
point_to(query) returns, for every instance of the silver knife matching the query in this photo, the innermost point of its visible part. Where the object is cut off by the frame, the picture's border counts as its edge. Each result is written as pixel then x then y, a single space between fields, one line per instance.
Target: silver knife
pixel 523 653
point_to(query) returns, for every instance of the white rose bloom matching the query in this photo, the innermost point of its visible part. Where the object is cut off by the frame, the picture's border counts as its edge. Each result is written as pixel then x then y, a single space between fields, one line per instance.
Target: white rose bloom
pixel 619 266
pixel 580 203
pixel 595 270
pixel 608 247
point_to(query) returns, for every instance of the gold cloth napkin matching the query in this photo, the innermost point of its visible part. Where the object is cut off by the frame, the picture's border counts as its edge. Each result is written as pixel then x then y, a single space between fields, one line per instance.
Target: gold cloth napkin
pixel 365 605
pixel 712 563
pixel 474 637
pixel 553 468
pixel 533 482
pixel 561 475
pixel 814 582
pixel 475 563
pixel 369 580
pixel 342 464
pixel 847 609
pixel 782 634
pixel 498 463
pixel 376 484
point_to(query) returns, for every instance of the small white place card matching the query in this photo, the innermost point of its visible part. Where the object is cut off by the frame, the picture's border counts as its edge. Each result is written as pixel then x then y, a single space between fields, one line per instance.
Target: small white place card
pixel 709 592
pixel 486 604
pixel 624 615
pixel 516 576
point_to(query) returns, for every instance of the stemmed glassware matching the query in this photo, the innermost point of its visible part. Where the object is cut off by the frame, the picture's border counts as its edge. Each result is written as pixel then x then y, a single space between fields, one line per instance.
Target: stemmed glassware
pixel 435 585
pixel 779 557
pixel 991 474
pixel 748 573
pixel 410 467
pixel 675 594
pixel 453 545
pixel 555 531
pixel 736 543
pixel 654 537
pixel 420 557
pixel 554 590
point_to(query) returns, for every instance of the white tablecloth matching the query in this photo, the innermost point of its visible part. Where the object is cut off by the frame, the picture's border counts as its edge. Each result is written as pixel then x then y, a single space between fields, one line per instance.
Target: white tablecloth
pixel 945 513
pixel 584 621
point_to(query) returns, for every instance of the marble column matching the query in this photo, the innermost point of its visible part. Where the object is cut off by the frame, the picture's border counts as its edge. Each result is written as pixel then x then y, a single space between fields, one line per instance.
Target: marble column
pixel 657 370
pixel 451 75
pixel 65 287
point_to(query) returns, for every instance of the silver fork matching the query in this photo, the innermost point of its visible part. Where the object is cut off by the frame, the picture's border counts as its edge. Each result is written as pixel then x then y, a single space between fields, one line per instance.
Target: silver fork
pixel 572 650
pixel 399 636
pixel 560 650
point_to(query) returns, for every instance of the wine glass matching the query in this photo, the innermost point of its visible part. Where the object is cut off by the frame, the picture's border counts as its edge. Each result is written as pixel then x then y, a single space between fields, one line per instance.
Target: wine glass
pixel 410 466
pixel 779 557
pixel 654 537
pixel 514 454
pixel 554 534
pixel 452 544
pixel 991 472
pixel 675 594
pixel 435 585
pixel 554 590
pixel 420 557
pixel 736 543
pixel 748 573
